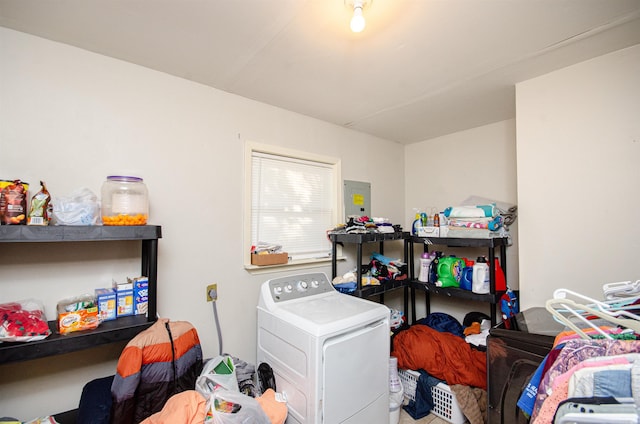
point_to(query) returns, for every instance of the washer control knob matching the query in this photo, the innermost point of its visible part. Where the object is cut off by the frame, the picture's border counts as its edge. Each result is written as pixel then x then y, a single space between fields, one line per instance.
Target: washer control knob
pixel 277 290
pixel 288 288
pixel 315 284
pixel 302 285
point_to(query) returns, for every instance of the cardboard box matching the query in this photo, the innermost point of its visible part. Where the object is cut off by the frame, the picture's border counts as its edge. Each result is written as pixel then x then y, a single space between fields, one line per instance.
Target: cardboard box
pixel 124 299
pixel 128 285
pixel 106 301
pixel 270 259
pixel 140 295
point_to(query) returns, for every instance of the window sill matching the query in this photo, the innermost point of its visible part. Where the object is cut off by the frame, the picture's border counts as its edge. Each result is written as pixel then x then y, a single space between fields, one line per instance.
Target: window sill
pixel 291 265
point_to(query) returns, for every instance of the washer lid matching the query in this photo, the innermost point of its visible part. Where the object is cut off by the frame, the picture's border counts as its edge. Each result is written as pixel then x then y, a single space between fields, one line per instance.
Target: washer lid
pixel 330 312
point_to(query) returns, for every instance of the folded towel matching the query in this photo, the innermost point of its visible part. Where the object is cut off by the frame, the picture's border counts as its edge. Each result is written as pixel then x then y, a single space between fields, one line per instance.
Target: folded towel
pixel 478 211
pixel 486 223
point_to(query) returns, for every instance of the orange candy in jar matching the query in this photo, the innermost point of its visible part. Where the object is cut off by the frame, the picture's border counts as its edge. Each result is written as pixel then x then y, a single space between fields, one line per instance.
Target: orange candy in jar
pixel 125 201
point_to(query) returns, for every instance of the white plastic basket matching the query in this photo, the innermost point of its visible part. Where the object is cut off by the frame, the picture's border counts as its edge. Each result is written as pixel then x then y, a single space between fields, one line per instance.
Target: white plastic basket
pixel 409 379
pixel 445 404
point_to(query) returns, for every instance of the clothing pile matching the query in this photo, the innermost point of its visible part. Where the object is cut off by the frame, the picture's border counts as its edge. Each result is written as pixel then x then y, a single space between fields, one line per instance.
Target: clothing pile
pixel 435 348
pixel 379 270
pixel 384 268
pixel 592 374
pixel 365 225
pixel 597 376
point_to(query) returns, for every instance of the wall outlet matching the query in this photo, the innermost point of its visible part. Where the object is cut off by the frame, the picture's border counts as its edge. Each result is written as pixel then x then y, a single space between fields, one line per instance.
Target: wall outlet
pixel 212 292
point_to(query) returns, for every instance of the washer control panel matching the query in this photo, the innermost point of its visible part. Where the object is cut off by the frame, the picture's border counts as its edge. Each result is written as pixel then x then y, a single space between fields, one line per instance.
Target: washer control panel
pixel 298 286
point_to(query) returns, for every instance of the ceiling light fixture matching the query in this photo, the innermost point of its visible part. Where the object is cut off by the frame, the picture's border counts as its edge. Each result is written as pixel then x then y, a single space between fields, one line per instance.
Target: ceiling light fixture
pixel 357 21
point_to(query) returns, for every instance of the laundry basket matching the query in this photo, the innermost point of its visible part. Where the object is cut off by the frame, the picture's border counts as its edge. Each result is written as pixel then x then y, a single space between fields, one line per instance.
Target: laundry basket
pixel 445 404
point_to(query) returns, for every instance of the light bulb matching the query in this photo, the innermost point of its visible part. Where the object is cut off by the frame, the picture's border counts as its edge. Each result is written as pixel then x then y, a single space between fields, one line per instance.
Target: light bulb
pixel 357 22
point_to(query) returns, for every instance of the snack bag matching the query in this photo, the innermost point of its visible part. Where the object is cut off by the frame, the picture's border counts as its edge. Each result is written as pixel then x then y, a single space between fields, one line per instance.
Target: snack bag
pixel 23 321
pixel 77 314
pixel 13 203
pixel 40 210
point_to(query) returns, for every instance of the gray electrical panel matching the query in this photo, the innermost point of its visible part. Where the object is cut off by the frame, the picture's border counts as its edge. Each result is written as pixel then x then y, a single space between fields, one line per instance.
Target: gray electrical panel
pixel 357 198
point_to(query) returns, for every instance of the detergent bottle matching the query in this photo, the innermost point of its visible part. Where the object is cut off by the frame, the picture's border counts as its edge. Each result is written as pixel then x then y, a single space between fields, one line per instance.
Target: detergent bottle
pixel 481 278
pixel 425 263
pixel 449 271
pixel 433 268
pixel 416 223
pixel 501 281
pixel 466 282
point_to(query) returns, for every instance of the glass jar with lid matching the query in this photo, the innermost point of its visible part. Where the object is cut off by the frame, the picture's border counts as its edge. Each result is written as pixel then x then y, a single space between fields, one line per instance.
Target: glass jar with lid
pixel 125 201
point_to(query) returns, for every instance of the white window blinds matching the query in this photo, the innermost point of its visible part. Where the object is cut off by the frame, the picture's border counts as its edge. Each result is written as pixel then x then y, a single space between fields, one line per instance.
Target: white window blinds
pixel 292 204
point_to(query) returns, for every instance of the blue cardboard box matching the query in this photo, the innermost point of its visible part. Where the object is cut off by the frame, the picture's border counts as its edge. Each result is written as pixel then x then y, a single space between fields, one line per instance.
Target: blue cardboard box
pixel 140 295
pixel 124 300
pixel 106 301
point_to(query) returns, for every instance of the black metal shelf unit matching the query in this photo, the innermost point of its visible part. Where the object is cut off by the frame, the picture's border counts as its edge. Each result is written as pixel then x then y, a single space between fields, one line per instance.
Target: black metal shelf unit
pixel 493 297
pixel 108 332
pixel 359 240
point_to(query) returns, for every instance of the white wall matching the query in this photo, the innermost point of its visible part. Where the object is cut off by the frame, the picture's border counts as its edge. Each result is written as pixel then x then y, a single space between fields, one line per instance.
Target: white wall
pixel 444 171
pixel 578 155
pixel 71 117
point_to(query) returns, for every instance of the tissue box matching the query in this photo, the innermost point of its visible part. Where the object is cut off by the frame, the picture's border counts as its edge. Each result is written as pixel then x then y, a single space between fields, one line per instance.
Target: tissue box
pixel 269 259
pixel 106 301
pixel 428 231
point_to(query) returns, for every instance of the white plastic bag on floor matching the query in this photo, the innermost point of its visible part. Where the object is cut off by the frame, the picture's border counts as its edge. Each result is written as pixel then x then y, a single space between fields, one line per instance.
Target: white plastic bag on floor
pixel 232 407
pixel 217 372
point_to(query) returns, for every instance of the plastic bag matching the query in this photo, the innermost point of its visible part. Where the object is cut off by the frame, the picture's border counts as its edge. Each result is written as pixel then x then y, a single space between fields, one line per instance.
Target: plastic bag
pixel 81 208
pixel 217 372
pixel 232 407
pixel 40 210
pixel 23 321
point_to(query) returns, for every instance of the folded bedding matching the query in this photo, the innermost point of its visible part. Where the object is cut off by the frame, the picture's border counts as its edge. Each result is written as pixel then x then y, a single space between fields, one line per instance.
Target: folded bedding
pixel 477 211
pixel 485 223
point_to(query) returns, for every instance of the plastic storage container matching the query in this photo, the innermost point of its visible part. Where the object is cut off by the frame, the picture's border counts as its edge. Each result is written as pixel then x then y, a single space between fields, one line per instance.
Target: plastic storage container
pixel 445 404
pixel 125 201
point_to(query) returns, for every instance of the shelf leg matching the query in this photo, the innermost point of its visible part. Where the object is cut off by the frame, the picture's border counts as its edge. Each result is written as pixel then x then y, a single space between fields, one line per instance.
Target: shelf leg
pixel 150 270
pixel 503 259
pixel 334 259
pixel 359 267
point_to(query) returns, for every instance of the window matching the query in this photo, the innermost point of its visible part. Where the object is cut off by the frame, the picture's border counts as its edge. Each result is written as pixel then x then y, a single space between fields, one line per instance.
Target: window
pixel 294 200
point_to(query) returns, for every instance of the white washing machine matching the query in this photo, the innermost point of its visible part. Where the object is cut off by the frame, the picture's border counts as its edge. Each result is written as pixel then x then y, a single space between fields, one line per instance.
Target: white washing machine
pixel 329 351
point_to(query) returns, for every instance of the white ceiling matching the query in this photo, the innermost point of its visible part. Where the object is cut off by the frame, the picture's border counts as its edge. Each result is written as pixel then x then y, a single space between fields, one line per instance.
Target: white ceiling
pixel 420 69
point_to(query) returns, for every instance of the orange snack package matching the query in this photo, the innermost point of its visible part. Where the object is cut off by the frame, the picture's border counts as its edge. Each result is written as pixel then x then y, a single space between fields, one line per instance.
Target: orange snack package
pixel 13 203
pixel 77 314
